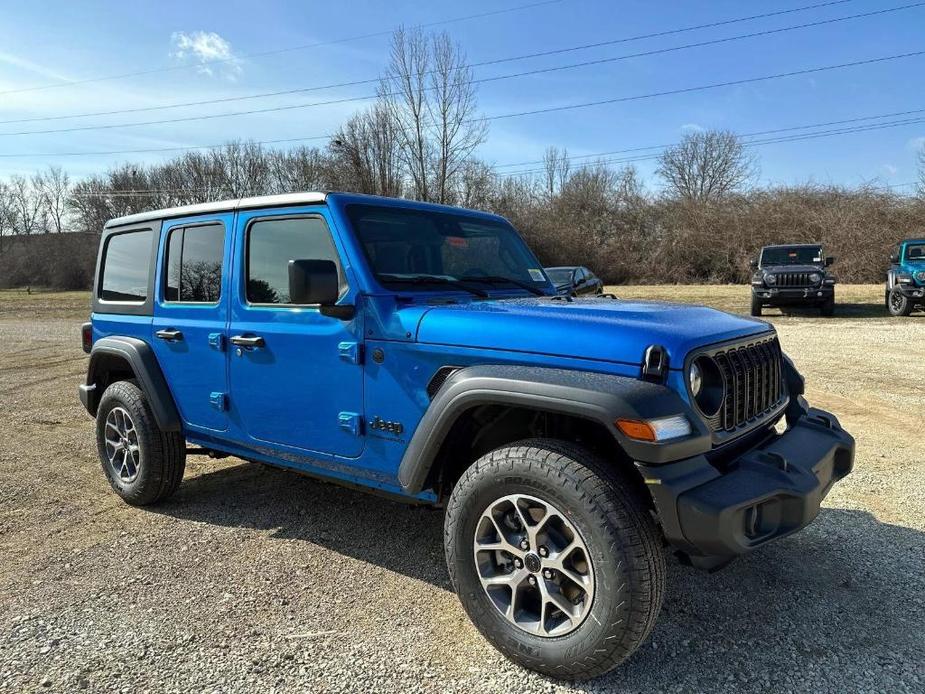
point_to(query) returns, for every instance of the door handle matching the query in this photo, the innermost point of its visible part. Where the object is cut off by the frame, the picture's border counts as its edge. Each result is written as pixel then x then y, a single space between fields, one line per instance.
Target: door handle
pixel 169 334
pixel 247 341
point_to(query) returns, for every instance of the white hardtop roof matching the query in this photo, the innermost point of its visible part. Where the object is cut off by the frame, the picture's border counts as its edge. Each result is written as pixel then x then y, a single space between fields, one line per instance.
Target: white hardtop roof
pixel 221 206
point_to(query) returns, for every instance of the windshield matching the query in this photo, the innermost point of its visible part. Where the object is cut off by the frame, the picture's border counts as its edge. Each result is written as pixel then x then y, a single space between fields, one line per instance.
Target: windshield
pixel 801 255
pixel 559 275
pixel 441 250
pixel 915 252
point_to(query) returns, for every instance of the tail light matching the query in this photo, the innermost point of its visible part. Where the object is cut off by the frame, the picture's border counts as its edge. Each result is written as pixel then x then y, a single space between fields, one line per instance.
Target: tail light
pixel 86 336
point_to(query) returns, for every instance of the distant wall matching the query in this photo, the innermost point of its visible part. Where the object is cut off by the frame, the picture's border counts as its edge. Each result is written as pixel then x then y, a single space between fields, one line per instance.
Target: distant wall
pixel 57 261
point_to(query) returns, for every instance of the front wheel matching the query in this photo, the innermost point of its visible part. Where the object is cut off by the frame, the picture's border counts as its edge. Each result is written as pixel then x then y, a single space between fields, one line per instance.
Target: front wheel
pixel 756 307
pixel 555 558
pixel 899 305
pixel 828 308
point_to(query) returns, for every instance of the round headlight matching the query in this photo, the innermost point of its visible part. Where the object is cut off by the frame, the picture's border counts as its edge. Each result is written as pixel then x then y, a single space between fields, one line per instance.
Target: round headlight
pixel 920 276
pixel 710 393
pixel 770 279
pixel 814 277
pixel 696 379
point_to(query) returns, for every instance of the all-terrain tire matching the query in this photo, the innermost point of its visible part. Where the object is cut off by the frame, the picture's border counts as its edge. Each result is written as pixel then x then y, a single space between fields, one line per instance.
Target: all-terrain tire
pixel 756 307
pixel 161 457
pixel 828 308
pixel 610 515
pixel 899 305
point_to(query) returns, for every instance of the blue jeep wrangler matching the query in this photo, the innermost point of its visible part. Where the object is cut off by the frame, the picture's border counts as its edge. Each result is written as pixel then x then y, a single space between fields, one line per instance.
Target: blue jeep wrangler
pixel 905 280
pixel 421 351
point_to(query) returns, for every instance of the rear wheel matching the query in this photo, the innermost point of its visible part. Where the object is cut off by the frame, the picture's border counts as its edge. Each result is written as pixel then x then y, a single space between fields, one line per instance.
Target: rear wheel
pixel 899 305
pixel 555 558
pixel 142 463
pixel 756 307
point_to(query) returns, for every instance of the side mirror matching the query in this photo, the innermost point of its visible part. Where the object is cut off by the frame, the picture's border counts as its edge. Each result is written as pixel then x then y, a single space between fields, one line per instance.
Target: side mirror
pixel 829 260
pixel 894 258
pixel 580 281
pixel 315 282
pixel 753 264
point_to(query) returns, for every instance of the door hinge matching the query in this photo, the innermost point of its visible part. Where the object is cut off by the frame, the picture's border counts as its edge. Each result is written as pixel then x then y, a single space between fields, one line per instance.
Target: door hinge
pixel 217 341
pixel 350 352
pixel 350 422
pixel 219 401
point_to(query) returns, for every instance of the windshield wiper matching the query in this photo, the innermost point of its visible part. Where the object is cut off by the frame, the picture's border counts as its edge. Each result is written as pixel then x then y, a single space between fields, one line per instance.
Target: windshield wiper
pixel 432 279
pixel 495 279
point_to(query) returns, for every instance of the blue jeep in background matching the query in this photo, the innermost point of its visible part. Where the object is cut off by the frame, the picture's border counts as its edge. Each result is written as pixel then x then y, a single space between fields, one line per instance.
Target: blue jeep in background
pixel 421 351
pixel 905 280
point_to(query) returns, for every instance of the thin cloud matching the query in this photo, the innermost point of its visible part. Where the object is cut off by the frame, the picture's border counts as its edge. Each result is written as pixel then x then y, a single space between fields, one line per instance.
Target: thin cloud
pixel 29 66
pixel 688 128
pixel 211 52
pixel 917 143
pixel 890 170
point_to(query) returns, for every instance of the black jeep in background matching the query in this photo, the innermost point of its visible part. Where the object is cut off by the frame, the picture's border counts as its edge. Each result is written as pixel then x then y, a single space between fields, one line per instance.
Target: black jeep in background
pixel 793 275
pixel 575 280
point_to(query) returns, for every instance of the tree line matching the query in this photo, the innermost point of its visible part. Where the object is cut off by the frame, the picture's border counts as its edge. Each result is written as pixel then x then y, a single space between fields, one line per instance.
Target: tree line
pixel 418 140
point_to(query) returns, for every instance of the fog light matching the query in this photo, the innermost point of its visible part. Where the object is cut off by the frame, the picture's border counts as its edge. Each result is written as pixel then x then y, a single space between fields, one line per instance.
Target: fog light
pixel 654 430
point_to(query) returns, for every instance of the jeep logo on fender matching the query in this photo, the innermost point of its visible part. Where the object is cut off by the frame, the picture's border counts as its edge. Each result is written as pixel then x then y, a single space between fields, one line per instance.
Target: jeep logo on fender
pixel 379 424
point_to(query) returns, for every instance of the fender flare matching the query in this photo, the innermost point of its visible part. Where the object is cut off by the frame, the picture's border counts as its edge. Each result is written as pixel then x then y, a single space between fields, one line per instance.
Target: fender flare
pixel 140 357
pixel 602 398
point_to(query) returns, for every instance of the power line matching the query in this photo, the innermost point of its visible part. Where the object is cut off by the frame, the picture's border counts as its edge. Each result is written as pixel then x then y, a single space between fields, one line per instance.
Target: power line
pixel 752 134
pixel 278 51
pixel 715 85
pixel 552 109
pixel 753 143
pixel 497 61
pixel 650 157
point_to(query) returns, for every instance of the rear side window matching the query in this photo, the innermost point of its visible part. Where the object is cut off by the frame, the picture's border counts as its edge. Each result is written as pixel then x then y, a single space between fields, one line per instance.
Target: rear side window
pixel 272 243
pixel 194 264
pixel 126 261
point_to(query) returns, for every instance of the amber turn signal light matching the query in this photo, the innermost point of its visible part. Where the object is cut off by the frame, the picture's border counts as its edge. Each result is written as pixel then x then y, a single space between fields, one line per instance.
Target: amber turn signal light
pixel 652 430
pixel 636 429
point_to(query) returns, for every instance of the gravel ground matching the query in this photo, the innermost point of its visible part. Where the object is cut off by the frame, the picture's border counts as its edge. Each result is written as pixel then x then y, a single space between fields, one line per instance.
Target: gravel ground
pixel 254 579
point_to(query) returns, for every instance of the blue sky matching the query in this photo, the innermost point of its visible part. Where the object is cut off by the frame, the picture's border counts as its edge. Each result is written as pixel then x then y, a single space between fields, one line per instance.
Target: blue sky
pixel 48 42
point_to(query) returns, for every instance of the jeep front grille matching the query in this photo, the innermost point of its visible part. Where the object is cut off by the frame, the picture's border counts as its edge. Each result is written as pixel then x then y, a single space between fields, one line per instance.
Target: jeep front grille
pixel 793 279
pixel 754 384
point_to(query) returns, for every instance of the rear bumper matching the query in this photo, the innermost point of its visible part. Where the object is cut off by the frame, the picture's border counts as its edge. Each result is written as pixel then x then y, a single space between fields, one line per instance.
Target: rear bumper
pixel 87 394
pixel 773 296
pixel 768 492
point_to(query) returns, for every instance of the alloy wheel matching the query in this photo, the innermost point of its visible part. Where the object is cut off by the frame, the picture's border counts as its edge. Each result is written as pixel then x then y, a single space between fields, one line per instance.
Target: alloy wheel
pixel 534 565
pixel 122 450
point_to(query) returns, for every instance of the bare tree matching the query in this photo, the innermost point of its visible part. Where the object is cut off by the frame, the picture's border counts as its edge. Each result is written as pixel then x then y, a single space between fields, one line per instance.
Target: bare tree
pixel 366 150
pixel 429 93
pixel 7 215
pixel 556 168
pixel 921 185
pixel 706 166
pixel 302 168
pixel 53 187
pixel 28 213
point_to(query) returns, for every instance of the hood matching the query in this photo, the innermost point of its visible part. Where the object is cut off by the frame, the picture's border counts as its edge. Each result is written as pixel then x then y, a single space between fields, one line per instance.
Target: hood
pixel 793 268
pixel 615 331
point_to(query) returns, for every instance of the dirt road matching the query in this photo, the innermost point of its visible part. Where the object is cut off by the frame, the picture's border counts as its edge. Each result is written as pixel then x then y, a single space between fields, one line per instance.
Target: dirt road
pixel 254 579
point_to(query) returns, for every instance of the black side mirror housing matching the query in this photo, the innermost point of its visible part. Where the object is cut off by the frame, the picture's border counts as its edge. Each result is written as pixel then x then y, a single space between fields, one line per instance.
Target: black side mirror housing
pixel 894 258
pixel 829 260
pixel 315 283
pixel 580 281
pixel 753 264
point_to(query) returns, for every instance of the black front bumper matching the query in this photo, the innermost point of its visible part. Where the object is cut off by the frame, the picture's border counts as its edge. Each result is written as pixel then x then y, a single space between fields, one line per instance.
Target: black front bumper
pixel 793 296
pixel 713 513
pixel 910 291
